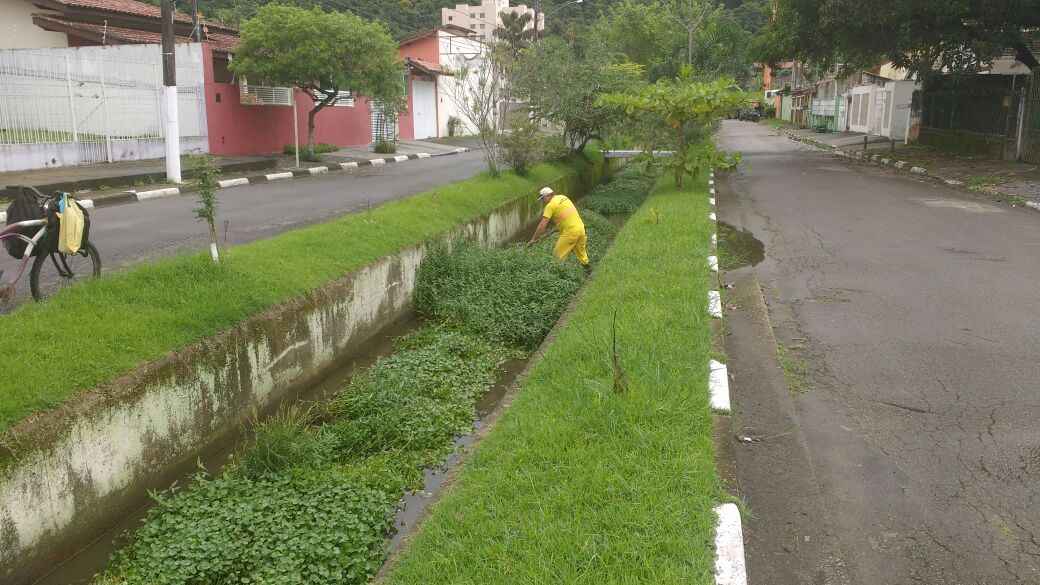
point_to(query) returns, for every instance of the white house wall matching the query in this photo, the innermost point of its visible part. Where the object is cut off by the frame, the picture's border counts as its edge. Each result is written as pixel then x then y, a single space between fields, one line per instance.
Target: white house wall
pixel 455 53
pixel 17 30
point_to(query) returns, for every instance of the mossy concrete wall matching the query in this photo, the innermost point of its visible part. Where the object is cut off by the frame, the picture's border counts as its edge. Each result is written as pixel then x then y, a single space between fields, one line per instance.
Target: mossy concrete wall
pixel 143 431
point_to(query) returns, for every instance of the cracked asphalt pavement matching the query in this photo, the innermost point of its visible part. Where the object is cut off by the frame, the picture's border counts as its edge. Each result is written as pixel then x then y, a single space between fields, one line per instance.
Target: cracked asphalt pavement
pixel 916 309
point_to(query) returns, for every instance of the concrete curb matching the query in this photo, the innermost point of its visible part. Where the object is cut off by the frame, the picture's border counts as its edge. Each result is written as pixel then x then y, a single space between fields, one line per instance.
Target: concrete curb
pixel 137 196
pixel 899 165
pixel 718 386
pixel 713 263
pixel 715 304
pixel 730 564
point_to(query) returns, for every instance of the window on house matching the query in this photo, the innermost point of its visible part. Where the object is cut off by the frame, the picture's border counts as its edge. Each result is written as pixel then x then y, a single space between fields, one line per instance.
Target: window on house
pixel 482 15
pixel 482 26
pixel 344 99
pixel 450 18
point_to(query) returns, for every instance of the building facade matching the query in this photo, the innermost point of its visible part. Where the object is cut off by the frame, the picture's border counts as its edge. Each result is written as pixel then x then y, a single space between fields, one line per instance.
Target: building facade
pixel 485 17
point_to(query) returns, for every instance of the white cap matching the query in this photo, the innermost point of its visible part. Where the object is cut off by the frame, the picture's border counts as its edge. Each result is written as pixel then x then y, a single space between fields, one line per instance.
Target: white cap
pixel 545 191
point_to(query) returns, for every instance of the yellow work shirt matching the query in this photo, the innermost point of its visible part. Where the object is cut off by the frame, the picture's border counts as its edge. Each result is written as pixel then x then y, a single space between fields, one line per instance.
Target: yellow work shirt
pixel 563 213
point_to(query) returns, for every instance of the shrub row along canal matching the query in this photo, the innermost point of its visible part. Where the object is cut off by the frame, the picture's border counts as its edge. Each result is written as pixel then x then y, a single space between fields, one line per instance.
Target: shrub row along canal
pixel 312 497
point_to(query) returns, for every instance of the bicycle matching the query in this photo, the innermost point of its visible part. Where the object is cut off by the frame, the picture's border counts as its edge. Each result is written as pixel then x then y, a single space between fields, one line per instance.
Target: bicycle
pixel 70 268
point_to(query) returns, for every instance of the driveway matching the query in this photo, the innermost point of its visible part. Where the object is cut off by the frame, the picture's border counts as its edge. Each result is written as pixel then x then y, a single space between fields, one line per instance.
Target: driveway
pixel 909 314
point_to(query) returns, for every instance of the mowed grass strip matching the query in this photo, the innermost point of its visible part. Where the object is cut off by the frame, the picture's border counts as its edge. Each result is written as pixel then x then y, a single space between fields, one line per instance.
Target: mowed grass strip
pixel 579 484
pixel 105 328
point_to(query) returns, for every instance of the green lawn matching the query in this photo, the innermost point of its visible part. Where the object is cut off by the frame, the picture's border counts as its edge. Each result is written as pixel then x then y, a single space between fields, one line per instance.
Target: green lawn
pixel 578 484
pixel 110 326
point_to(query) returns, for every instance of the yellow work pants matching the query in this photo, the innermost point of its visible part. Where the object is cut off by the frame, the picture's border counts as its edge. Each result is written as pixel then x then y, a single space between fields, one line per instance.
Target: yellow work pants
pixel 572 241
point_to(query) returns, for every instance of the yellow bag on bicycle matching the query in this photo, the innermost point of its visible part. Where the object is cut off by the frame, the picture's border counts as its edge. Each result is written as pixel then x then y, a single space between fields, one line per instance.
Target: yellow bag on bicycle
pixel 70 226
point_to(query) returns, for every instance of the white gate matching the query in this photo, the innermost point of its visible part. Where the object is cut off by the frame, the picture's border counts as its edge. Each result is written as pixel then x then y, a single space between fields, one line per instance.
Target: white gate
pixel 862 101
pixel 424 109
pixel 384 129
pixel 87 105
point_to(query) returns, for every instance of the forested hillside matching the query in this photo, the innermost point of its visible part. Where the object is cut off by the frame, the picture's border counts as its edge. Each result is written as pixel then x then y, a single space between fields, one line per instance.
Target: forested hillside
pixel 404 17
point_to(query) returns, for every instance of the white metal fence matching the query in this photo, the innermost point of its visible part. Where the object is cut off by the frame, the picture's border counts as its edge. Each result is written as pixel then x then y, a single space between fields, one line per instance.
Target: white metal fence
pixel 94 104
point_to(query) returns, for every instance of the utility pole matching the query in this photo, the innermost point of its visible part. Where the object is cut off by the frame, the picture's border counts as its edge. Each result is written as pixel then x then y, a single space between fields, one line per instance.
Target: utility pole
pixel 169 109
pixel 537 10
pixel 196 29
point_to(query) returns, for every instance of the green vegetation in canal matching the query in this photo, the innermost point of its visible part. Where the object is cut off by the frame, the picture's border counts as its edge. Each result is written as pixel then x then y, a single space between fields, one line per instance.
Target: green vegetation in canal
pixel 512 294
pixel 623 195
pixel 577 483
pixel 311 497
pixel 139 315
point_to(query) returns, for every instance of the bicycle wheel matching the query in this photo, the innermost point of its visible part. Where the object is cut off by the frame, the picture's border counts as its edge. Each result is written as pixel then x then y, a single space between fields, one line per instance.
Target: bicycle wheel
pixel 56 271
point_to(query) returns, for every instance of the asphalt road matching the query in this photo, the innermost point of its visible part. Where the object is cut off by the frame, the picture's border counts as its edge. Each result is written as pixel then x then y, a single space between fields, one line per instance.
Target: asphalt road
pixel 131 233
pixel 915 310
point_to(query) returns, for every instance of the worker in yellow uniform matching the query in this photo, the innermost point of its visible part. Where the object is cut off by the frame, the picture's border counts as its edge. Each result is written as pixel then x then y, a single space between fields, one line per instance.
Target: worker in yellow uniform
pixel 562 212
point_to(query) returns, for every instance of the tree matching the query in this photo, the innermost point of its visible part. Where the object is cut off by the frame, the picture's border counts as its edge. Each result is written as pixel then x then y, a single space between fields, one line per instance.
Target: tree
pixel 919 35
pixel 206 174
pixel 562 87
pixel 514 32
pixel 478 91
pixel 688 110
pixel 322 53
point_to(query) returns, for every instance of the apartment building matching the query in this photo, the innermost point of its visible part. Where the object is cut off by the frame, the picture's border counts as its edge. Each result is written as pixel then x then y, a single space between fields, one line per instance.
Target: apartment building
pixel 486 16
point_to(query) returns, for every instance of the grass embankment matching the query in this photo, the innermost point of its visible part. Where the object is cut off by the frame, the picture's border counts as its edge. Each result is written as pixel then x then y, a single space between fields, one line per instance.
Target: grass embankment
pixel 121 321
pixel 311 499
pixel 579 484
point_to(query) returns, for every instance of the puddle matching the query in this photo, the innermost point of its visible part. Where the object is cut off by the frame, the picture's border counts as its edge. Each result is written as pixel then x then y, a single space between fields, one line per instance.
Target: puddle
pixel 738 248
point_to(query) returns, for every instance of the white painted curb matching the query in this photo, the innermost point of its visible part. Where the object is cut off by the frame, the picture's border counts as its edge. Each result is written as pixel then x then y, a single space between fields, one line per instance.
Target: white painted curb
pixel 1033 205
pixel 233 182
pixel 278 176
pixel 3 217
pixel 318 170
pixel 712 191
pixel 84 203
pixel 714 239
pixel 401 158
pixel 461 150
pixel 711 200
pixel 157 193
pixel 918 170
pixel 348 166
pixel 730 566
pixel 711 182
pixel 713 263
pixel 378 162
pixel 712 217
pixel 718 386
pixel 423 155
pixel 715 304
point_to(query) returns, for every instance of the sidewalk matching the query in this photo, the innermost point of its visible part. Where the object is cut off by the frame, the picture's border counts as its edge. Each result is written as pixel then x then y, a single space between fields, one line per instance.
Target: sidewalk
pixel 1009 181
pixel 101 177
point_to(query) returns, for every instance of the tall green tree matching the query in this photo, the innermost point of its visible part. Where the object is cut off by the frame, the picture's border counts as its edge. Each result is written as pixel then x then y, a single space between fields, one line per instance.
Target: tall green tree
pixel 685 109
pixel 514 32
pixel 561 86
pixel 322 53
pixel 920 35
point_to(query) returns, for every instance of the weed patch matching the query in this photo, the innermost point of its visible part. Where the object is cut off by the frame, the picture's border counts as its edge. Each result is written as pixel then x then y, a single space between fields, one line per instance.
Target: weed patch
pixel 796 370
pixel 623 195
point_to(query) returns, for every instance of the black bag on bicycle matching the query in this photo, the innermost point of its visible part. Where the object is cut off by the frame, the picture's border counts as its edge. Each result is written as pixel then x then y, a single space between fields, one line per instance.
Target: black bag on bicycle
pixel 23 208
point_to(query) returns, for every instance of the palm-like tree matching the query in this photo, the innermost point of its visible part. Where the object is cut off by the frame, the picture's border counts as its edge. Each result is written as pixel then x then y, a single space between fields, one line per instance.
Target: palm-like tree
pixel 514 31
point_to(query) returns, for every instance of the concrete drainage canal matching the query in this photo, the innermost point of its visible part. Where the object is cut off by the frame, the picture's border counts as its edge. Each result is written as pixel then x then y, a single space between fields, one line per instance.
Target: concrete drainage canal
pixel 325 458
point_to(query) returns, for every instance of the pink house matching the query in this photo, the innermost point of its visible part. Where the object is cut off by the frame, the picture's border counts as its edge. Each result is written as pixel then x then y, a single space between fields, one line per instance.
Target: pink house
pixel 264 125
